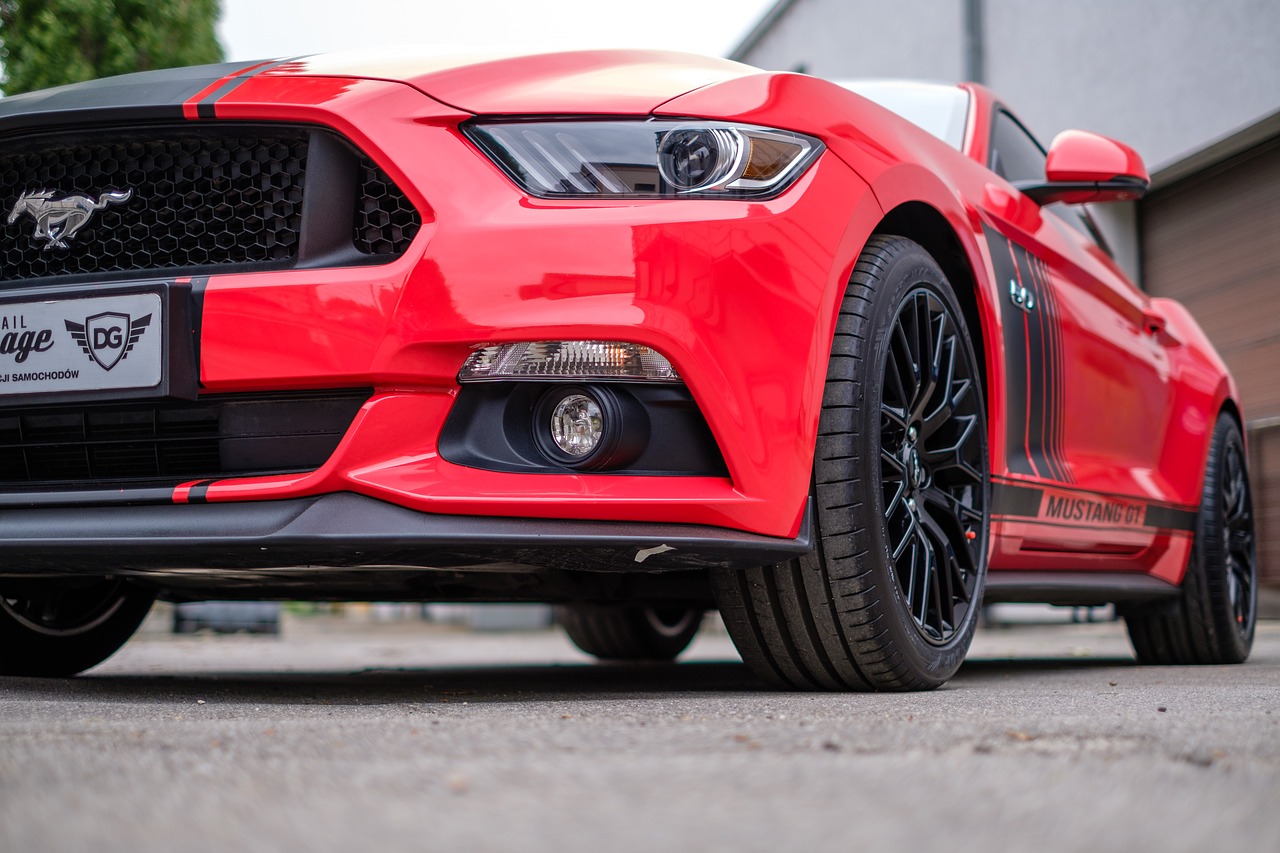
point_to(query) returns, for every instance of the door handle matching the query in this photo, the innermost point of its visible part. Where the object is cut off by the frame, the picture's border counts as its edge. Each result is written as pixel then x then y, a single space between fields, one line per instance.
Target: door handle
pixel 1158 330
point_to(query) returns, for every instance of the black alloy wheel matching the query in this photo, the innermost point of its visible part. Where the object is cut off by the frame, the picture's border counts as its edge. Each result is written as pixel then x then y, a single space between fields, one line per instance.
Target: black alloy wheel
pixel 1239 546
pixel 1213 620
pixel 932 459
pixel 889 597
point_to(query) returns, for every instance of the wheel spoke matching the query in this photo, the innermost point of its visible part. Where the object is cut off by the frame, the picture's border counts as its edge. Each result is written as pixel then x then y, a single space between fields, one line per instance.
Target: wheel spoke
pixel 907 537
pixel 942 381
pixel 1239 588
pixel 928 347
pixel 941 592
pixel 892 473
pixel 896 417
pixel 955 456
pixel 933 464
pixel 1238 536
pixel 928 582
pixel 951 526
pixel 905 366
pixel 952 544
pixel 1240 543
pixel 895 380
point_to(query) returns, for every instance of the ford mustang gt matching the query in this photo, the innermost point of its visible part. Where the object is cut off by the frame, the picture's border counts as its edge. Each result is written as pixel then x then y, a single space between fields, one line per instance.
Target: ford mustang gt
pixel 639 334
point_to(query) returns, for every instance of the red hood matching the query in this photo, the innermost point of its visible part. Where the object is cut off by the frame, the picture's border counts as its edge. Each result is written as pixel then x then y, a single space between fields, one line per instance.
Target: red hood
pixel 601 82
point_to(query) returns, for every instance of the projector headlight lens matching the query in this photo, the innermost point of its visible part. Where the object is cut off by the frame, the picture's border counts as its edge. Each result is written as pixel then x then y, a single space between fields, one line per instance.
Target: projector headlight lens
pixel 694 158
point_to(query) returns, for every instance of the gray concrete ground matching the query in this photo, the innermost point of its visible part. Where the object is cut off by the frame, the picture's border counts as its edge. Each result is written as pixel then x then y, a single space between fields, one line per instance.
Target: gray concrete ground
pixel 407 736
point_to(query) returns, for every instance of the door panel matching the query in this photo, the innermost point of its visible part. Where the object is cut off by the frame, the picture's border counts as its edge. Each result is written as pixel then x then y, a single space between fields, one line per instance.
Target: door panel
pixel 1087 391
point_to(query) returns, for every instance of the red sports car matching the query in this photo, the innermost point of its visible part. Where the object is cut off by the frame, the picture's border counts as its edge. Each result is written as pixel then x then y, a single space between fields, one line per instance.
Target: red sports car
pixel 642 334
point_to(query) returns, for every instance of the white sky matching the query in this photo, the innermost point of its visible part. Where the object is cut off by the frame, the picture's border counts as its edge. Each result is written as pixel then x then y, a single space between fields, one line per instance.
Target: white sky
pixel 258 29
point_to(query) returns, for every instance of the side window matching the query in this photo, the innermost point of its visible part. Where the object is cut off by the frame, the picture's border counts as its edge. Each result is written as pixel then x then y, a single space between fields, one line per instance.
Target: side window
pixel 1015 154
pixel 1077 216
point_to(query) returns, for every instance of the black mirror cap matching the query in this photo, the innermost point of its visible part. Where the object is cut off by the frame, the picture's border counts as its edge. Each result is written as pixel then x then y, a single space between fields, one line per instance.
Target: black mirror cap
pixel 1121 188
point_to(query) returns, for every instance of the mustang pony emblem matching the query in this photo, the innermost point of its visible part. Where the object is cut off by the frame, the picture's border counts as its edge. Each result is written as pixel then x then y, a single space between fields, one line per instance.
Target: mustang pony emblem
pixel 58 219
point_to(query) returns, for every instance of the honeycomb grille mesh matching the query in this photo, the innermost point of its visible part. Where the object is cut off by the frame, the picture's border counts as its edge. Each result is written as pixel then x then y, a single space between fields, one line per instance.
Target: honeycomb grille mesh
pixel 197 199
pixel 228 197
pixel 385 221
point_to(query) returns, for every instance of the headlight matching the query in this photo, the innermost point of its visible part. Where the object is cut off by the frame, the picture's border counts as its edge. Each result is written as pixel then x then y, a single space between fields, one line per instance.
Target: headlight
pixel 646 159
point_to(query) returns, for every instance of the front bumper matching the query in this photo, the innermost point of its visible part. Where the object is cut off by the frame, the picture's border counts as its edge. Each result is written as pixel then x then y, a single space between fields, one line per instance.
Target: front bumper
pixel 741 297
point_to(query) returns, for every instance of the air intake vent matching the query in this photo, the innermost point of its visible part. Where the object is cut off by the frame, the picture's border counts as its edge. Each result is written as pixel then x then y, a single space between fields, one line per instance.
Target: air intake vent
pixel 170 442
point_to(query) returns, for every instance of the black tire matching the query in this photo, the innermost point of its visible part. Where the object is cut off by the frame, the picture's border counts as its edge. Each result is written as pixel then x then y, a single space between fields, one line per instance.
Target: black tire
pixel 1213 620
pixel 58 630
pixel 890 596
pixel 630 632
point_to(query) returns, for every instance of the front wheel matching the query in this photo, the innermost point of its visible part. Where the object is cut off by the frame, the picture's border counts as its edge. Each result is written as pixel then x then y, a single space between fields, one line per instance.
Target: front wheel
pixel 890 595
pixel 60 629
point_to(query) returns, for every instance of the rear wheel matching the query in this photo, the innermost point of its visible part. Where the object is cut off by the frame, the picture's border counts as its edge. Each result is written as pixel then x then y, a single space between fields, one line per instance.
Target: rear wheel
pixel 51 630
pixel 889 597
pixel 1213 621
pixel 632 632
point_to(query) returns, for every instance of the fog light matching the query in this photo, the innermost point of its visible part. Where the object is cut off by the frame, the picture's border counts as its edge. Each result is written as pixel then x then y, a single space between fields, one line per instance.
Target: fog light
pixel 589 427
pixel 577 425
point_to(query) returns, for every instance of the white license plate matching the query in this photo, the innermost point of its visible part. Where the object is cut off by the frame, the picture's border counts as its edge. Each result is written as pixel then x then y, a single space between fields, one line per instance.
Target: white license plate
pixel 103 343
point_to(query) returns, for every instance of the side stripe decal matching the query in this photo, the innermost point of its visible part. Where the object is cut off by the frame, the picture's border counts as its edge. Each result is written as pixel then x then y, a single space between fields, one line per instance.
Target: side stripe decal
pixel 1076 508
pixel 1033 362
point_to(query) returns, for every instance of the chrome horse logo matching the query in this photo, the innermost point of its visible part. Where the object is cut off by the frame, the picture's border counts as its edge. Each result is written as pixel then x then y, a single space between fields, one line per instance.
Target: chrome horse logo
pixel 58 219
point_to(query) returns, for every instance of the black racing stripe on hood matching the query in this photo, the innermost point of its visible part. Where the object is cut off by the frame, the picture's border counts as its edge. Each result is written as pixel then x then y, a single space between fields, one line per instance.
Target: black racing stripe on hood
pixel 145 96
pixel 205 108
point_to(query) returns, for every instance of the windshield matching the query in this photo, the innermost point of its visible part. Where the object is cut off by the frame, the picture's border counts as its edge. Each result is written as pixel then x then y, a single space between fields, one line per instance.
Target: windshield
pixel 938 108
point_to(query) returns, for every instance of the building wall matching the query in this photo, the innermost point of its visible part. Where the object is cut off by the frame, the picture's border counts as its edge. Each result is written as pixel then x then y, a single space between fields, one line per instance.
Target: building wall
pixel 1165 77
pixel 1212 241
pixel 864 38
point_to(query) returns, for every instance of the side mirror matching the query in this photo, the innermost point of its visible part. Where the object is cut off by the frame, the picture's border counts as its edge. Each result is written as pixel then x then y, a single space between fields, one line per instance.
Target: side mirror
pixel 1085 167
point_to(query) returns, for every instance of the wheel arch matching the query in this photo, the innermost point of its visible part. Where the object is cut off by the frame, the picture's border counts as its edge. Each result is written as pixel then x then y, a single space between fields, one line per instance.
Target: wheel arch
pixel 1231 407
pixel 926 225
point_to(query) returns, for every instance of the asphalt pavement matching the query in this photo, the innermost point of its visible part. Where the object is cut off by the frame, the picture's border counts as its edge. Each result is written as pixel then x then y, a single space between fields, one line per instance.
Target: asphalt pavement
pixel 410 736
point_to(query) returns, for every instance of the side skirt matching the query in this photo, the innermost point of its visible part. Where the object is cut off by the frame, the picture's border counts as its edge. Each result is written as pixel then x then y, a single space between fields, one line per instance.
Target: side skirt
pixel 1077 589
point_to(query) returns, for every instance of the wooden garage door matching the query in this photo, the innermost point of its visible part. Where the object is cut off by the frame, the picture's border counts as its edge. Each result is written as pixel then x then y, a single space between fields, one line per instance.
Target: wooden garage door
pixel 1212 241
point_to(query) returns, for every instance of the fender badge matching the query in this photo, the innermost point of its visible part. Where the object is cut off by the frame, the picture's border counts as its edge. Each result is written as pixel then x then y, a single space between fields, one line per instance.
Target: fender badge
pixel 1021 297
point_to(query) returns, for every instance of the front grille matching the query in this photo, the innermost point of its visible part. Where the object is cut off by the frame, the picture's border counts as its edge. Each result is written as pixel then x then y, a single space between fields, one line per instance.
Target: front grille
pixel 226 196
pixel 169 442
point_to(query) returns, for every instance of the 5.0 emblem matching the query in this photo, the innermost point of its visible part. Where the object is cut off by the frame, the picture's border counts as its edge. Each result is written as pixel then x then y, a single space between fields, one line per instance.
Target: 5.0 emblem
pixel 1020 296
pixel 109 337
pixel 58 219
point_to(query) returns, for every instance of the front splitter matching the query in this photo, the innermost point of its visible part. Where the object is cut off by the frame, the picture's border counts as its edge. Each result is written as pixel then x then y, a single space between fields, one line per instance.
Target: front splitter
pixel 345 530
